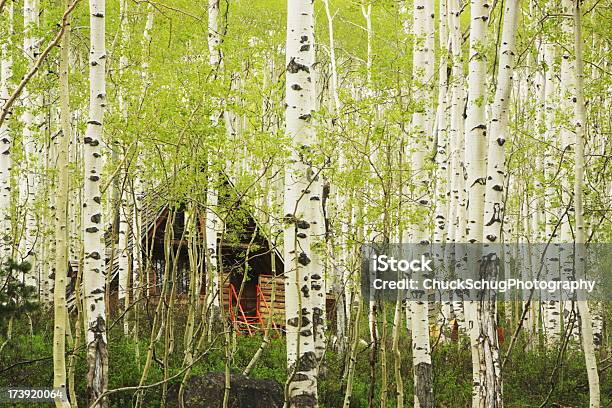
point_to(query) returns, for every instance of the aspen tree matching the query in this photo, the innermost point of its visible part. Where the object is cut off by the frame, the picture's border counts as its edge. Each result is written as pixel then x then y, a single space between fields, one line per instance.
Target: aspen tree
pixel 494 200
pixel 457 217
pixel 94 270
pixel 6 144
pixel 336 195
pixel 442 179
pixel 566 105
pixel 442 183
pixel 301 387
pixel 212 220
pixel 480 315
pixel 586 322
pixel 31 120
pixel 138 272
pixel 498 133
pixel 552 312
pixel 422 122
pixel 122 205
pixel 61 223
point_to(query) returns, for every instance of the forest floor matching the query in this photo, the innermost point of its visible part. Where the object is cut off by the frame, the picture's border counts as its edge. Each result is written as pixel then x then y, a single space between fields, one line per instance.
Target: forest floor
pixel 27 361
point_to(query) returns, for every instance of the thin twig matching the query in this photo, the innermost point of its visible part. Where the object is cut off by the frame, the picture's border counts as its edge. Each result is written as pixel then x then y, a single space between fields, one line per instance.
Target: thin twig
pixel 63 24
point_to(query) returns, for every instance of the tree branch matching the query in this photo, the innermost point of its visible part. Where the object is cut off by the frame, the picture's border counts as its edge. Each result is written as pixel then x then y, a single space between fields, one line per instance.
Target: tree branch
pixel 63 24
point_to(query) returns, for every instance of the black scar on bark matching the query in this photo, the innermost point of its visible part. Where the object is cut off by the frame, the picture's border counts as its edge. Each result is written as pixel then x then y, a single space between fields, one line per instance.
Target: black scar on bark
pixel 498 187
pixel 94 255
pixel 305 47
pixel 491 237
pixel 305 117
pixel 303 259
pixel 501 141
pixel 305 321
pixel 496 217
pixel 303 39
pixel 91 229
pixel 302 224
pixel 94 178
pixel 306 333
pixel 97 199
pixel 303 400
pixel 482 181
pixel 97 291
pixel 308 361
pixel 296 87
pixel 301 235
pixel 293 322
pixel 295 67
pixel 317 316
pixel 301 377
pixel 96 218
pixel 305 291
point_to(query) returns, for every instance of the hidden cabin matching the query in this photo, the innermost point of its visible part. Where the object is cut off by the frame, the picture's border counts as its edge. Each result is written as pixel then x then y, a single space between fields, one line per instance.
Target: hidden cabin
pixel 250 266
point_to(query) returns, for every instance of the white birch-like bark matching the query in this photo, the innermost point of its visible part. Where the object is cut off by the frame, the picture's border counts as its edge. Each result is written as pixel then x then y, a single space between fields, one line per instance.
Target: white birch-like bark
pixel 213 223
pixel 442 173
pixel 567 95
pixel 422 123
pixel 300 58
pixel 31 120
pixel 498 133
pixel 458 215
pixel 94 270
pixel 123 250
pixel 61 225
pixel 475 124
pixel 138 189
pixel 479 315
pixel 552 312
pixel 494 201
pixel 586 323
pixel 337 199
pixel 6 144
pixel 442 181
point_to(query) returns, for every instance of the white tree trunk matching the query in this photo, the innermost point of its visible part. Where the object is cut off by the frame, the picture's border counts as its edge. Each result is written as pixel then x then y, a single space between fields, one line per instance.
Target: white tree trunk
pixel 442 179
pixel 552 314
pixel 94 270
pixel 586 323
pixel 301 358
pixel 6 144
pixel 31 121
pixel 213 223
pixel 480 315
pixel 567 104
pixel 61 225
pixel 422 123
pixel 122 205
